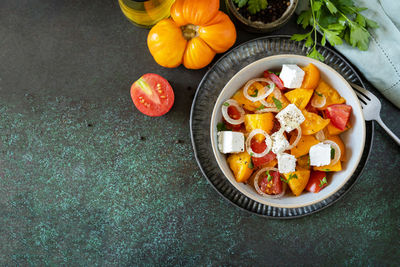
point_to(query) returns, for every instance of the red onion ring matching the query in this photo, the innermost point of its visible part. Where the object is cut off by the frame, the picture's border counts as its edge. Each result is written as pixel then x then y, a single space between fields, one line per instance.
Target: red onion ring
pixel 257 187
pixel 264 110
pixel 337 151
pixel 320 136
pixel 226 116
pixel 277 94
pixel 296 141
pixel 268 142
pixel 258 97
pixel 318 101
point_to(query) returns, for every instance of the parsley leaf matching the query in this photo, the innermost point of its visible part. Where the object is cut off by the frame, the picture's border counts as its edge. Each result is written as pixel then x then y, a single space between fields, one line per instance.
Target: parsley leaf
pixel 251 164
pixel 323 182
pixel 333 153
pixel 277 73
pixel 240 3
pixel 255 93
pixel 337 21
pixel 255 6
pixel 222 127
pixel 291 176
pixel 318 94
pixel 226 104
pixel 269 178
pixel 277 103
pixel 261 107
pixel 300 37
pixel 316 55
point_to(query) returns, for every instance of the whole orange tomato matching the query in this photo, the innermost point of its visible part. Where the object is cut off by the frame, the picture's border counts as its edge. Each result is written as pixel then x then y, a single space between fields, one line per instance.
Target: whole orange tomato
pixel 196 31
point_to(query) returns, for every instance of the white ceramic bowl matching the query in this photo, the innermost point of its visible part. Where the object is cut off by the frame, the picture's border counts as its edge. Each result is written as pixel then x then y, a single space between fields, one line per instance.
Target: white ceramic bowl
pixel 354 139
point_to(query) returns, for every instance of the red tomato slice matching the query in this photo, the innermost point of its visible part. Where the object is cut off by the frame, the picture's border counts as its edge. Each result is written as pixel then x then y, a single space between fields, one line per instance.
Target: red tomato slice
pixel 316 181
pixel 339 115
pixel 273 187
pixel 258 148
pixel 234 114
pixel 275 78
pixel 152 95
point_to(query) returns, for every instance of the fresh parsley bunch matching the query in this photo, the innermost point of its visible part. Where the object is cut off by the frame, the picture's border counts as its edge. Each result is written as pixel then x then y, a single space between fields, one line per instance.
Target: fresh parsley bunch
pixel 253 6
pixel 337 20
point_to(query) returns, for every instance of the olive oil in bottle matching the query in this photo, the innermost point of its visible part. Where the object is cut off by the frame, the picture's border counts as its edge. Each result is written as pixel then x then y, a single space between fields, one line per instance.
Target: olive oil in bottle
pixel 146 13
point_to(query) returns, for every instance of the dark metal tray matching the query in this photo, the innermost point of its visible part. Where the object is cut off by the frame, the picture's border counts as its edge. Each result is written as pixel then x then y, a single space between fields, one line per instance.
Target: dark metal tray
pixel 203 103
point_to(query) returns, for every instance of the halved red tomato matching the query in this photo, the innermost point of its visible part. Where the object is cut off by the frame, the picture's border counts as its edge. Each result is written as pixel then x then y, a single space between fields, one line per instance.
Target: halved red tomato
pixel 259 147
pixel 272 187
pixel 339 115
pixel 275 78
pixel 317 181
pixel 152 95
pixel 234 114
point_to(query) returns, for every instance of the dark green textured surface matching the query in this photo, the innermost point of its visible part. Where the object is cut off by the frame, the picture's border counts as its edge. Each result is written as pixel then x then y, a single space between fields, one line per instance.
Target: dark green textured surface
pixel 78 186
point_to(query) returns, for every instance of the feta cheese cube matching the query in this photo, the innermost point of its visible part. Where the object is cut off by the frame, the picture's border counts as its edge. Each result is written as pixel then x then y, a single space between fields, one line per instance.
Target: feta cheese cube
pixel 290 117
pixel 286 163
pixel 279 142
pixel 230 142
pixel 320 155
pixel 291 75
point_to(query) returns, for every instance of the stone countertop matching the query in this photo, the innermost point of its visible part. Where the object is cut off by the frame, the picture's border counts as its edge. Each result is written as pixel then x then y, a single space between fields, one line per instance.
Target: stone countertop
pixel 85 179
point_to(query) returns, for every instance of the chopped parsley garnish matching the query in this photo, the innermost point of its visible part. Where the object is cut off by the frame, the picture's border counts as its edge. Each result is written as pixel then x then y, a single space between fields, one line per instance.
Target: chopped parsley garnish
pixel 277 103
pixel 269 178
pixel 333 153
pixel 222 127
pixel 308 161
pixel 291 176
pixel 255 93
pixel 261 107
pixel 226 104
pixel 327 170
pixel 323 182
pixel 275 72
pixel 251 164
pixel 319 94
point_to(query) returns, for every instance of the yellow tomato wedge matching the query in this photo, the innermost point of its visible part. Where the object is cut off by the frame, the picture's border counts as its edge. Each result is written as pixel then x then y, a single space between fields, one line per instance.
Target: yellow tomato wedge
pixel 303 162
pixel 332 130
pixel 330 168
pixel 244 102
pixel 331 95
pixel 263 121
pixel 300 97
pixel 283 100
pixel 303 146
pixel 311 77
pixel 239 164
pixel 313 123
pixel 297 180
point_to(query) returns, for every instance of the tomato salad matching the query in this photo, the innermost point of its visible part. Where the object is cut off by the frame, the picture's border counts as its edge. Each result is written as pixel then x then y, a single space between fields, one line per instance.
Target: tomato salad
pixel 283 130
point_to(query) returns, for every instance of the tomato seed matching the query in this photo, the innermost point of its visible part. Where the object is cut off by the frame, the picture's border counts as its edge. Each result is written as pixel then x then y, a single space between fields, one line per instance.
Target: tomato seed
pixel 141 100
pixel 163 96
pixel 160 91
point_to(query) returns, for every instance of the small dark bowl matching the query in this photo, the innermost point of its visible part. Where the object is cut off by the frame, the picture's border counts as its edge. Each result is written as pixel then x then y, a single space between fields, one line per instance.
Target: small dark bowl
pixel 258 26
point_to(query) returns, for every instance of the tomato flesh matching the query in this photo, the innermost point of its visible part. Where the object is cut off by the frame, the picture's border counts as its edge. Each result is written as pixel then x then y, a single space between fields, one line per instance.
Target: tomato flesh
pixel 275 78
pixel 259 147
pixel 152 95
pixel 234 113
pixel 339 114
pixel 315 183
pixel 273 187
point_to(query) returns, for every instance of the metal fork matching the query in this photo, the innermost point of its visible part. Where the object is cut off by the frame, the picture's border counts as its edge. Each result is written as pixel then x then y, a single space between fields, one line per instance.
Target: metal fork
pixel 371 108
